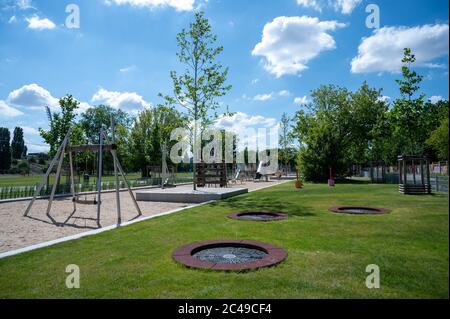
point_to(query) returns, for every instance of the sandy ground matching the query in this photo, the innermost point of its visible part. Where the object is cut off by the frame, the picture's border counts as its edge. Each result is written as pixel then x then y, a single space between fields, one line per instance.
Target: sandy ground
pixel 17 231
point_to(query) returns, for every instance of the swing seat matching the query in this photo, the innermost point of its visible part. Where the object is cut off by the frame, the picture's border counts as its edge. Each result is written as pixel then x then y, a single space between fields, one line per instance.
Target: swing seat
pixel 84 201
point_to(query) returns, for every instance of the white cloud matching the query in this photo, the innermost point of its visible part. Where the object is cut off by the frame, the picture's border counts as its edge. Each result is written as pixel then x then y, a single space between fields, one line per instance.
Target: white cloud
pixel 246 127
pixel 436 98
pixel 240 119
pixel 29 130
pixel 35 147
pixel 314 4
pixel 179 5
pixel 254 81
pixel 344 6
pixel 37 23
pixel 289 43
pixel 8 111
pixel 384 98
pixel 302 100
pixel 125 101
pixel 12 20
pixel 83 107
pixel 284 93
pixel 383 50
pixel 128 69
pixel 24 4
pixel 34 96
pixel 263 97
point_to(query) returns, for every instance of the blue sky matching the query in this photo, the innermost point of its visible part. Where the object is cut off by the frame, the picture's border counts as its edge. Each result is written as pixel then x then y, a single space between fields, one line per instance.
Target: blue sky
pixel 124 50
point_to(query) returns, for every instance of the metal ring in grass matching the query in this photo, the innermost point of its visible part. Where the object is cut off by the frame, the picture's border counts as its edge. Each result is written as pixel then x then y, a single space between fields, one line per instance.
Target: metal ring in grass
pixel 359 210
pixel 229 255
pixel 260 216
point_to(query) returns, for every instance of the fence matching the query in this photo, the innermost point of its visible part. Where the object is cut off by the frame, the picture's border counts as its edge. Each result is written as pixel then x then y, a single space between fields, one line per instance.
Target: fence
pixel 10 192
pixel 438 183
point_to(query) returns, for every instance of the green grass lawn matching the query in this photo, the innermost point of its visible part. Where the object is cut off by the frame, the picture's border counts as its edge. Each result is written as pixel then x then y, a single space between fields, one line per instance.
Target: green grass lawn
pixel 328 253
pixel 18 180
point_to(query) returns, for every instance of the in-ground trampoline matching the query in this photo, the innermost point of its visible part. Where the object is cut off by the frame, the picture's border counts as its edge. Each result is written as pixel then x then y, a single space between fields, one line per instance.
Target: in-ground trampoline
pixel 359 210
pixel 262 216
pixel 233 255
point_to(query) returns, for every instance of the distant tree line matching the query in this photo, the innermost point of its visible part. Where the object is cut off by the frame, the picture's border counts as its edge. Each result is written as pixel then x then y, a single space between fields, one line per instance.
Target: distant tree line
pixel 340 128
pixel 11 150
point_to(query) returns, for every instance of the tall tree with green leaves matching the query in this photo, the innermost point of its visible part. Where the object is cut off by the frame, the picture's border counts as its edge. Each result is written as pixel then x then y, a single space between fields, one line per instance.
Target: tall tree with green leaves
pixel 368 124
pixel 25 151
pixel 324 131
pixel 338 130
pixel 5 149
pixel 17 143
pixel 60 123
pixel 152 129
pixel 100 116
pixel 285 139
pixel 438 140
pixel 408 110
pixel 204 78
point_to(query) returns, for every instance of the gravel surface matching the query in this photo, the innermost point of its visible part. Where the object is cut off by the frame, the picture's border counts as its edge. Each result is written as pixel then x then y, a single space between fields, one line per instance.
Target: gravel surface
pixel 17 231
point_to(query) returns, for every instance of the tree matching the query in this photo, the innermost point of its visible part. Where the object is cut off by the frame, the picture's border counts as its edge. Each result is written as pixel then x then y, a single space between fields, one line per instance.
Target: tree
pixel 25 152
pixel 151 129
pixel 325 132
pixel 438 140
pixel 100 116
pixel 338 130
pixel 203 81
pixel 285 140
pixel 23 168
pixel 408 112
pixel 368 124
pixel 5 149
pixel 60 123
pixel 17 143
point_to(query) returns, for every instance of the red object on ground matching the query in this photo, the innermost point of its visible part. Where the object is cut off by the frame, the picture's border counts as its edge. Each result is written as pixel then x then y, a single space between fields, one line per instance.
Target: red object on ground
pixel 331 180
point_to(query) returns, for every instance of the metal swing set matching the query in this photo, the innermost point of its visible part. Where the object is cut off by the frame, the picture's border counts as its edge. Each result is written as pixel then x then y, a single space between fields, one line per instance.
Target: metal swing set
pixel 67 148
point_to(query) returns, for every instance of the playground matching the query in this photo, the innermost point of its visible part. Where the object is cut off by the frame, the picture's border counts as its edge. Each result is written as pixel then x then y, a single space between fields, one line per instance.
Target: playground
pixel 327 252
pixel 197 149
pixel 17 231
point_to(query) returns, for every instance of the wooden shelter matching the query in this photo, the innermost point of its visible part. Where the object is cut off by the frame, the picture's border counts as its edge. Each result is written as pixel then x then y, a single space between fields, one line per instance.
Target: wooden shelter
pixel 414 175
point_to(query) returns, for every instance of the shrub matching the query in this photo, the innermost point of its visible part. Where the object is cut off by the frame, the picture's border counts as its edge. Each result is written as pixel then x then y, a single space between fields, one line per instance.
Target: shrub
pixel 23 168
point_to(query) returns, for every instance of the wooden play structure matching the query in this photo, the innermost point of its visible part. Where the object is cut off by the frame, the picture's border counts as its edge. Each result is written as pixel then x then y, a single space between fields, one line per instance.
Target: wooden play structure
pixel 214 174
pixel 414 175
pixel 66 148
